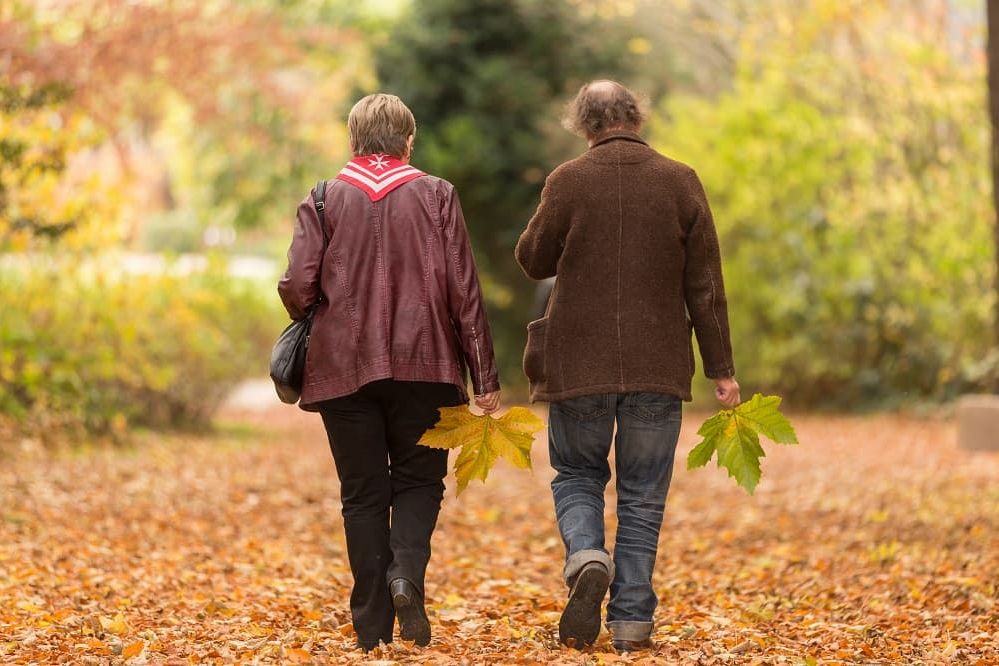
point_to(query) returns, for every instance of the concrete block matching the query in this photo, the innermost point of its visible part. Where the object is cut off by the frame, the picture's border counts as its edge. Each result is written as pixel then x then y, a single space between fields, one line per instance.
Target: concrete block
pixel 978 422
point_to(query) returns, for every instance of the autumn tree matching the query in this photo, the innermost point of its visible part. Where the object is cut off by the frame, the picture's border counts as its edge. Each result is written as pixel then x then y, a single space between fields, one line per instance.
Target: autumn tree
pixel 232 82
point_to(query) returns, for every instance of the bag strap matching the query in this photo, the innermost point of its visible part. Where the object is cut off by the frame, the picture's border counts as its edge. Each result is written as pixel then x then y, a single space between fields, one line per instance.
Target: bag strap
pixel 319 199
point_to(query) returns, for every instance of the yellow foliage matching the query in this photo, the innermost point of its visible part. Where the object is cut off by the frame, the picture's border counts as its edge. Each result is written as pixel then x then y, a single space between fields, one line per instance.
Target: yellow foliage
pixel 42 194
pixel 87 348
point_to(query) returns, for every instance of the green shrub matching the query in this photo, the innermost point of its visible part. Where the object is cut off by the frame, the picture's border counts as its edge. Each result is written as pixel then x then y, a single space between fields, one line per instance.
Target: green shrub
pixel 85 348
pixel 851 190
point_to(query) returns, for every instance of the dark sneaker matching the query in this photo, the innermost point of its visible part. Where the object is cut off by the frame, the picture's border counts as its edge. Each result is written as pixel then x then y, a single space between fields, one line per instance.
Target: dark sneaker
pixel 633 646
pixel 413 623
pixel 580 623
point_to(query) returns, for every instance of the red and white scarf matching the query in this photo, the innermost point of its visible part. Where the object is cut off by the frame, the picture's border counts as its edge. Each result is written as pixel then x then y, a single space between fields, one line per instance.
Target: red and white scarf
pixel 378 174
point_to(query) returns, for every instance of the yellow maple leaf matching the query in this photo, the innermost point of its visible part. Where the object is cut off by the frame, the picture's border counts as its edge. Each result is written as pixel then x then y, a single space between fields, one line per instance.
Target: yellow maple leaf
pixel 483 439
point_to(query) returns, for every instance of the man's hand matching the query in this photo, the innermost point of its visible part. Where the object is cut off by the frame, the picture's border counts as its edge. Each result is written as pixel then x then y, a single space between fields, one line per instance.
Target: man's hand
pixel 488 403
pixel 727 392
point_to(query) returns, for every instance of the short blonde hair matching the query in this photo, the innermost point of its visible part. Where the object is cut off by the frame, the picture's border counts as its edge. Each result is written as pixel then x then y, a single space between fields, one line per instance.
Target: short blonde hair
pixel 380 123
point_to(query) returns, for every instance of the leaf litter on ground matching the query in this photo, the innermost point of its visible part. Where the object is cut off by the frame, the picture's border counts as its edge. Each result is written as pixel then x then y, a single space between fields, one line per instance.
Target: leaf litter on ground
pixel 879 543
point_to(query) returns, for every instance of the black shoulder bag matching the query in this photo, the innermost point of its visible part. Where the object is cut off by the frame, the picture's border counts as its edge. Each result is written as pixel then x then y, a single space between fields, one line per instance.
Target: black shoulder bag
pixel 288 355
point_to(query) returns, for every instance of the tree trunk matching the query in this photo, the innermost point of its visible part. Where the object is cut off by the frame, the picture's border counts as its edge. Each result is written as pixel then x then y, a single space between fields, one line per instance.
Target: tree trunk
pixel 993 56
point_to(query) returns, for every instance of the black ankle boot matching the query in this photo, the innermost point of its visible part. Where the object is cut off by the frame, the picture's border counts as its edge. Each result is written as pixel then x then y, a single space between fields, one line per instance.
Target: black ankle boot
pixel 413 623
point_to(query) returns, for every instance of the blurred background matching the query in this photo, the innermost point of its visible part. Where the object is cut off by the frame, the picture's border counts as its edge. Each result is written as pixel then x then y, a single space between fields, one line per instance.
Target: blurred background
pixel 152 155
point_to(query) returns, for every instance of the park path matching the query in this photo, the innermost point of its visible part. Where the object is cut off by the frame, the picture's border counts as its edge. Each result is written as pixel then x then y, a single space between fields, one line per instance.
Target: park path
pixel 875 541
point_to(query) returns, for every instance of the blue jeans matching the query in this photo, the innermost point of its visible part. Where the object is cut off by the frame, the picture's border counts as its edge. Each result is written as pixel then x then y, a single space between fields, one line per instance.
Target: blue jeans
pixel 579 435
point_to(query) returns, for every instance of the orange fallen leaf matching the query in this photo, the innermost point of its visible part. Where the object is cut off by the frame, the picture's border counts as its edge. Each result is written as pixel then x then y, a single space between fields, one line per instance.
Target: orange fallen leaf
pixel 133 649
pixel 299 656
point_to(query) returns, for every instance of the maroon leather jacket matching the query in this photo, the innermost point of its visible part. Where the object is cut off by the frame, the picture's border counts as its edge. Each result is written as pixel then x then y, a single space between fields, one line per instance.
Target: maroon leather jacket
pixel 401 296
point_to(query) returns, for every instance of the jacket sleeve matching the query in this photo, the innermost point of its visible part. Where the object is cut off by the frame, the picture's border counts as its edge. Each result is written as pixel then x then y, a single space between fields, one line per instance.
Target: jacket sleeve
pixel 704 290
pixel 299 288
pixel 541 244
pixel 465 304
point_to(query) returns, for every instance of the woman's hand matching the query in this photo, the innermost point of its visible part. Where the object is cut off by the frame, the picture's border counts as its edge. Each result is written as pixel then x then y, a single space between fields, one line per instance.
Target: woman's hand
pixel 727 392
pixel 488 403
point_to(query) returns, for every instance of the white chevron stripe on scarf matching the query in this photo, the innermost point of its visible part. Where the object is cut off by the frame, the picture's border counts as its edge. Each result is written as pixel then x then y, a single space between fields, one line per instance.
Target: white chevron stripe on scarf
pixel 378 184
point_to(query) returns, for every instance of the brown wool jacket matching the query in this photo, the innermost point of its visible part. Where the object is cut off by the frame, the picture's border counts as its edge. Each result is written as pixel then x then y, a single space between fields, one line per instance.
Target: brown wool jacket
pixel 629 236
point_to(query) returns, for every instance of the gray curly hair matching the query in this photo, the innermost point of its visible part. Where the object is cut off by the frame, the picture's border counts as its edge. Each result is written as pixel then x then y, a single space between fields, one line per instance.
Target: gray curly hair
pixel 603 105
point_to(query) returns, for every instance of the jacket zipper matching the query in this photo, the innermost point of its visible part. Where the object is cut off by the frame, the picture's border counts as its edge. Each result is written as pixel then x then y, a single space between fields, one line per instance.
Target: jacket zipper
pixel 478 361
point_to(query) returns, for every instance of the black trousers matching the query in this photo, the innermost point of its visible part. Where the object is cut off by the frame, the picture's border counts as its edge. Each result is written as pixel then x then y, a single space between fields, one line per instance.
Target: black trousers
pixel 391 489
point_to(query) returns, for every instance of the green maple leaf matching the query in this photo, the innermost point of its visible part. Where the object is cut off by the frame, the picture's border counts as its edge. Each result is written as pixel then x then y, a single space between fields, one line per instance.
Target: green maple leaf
pixel 734 434
pixel 483 439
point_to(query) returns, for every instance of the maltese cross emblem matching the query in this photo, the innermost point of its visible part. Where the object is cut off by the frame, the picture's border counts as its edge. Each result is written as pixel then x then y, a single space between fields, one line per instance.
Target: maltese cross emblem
pixel 379 162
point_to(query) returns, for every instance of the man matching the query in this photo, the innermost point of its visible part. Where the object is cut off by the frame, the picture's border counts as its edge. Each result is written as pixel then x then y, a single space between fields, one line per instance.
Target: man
pixel 629 236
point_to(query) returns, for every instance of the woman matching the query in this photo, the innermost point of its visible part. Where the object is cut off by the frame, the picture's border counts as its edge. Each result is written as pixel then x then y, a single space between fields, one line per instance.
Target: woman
pixel 398 317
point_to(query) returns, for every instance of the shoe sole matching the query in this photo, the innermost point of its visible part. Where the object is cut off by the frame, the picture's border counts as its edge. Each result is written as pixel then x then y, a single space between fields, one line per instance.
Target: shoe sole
pixel 632 647
pixel 580 621
pixel 413 623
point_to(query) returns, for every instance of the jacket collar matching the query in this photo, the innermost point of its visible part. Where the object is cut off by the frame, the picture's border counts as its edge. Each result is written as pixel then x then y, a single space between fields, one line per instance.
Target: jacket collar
pixel 615 135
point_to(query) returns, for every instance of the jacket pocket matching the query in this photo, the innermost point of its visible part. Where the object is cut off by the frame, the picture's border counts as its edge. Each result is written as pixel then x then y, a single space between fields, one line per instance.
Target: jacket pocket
pixel 534 353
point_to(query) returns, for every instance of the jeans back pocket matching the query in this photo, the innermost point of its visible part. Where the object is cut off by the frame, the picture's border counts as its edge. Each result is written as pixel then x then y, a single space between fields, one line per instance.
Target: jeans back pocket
pixel 584 408
pixel 653 407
